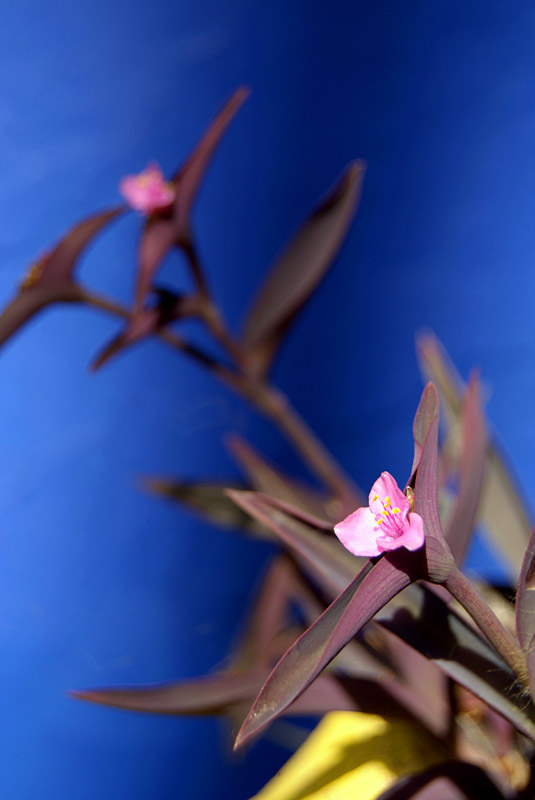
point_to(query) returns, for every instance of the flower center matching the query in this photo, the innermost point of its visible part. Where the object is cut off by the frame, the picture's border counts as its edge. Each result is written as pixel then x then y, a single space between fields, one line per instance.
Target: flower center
pixel 389 519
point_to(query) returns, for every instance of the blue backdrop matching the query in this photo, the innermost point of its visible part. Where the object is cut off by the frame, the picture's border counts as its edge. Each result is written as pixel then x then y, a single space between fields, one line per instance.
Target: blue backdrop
pixel 102 584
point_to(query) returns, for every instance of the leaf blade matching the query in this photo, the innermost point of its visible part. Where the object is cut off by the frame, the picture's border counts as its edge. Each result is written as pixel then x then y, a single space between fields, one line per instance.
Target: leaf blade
pixel 300 268
pixel 310 654
pixel 525 597
pixel 471 472
pixel 162 233
pixel 502 509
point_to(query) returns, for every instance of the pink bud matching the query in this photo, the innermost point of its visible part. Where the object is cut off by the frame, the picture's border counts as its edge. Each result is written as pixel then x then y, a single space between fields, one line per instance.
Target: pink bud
pixel 148 191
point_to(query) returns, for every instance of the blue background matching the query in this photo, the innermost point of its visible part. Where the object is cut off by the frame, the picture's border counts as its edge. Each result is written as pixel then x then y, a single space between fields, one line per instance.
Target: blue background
pixel 99 582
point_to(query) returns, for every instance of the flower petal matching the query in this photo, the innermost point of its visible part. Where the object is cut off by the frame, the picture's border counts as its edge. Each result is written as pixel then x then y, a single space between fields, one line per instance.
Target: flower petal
pixel 358 533
pixel 148 191
pixel 386 487
pixel 412 537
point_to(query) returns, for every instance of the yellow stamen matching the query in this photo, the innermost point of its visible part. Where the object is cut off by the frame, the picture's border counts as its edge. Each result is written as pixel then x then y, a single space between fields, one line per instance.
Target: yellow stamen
pixel 387 501
pixel 395 511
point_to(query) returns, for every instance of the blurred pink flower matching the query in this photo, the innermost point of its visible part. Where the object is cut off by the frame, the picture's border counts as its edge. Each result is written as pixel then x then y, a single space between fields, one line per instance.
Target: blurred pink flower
pixel 386 524
pixel 148 191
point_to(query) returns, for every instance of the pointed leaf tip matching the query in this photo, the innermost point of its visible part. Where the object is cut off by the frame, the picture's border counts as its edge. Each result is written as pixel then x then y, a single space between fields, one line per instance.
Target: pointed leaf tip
pixel 368 592
pixel 163 233
pixel 300 267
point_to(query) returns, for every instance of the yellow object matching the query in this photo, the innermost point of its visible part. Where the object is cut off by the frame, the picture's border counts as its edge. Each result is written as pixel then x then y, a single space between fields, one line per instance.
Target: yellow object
pixel 350 754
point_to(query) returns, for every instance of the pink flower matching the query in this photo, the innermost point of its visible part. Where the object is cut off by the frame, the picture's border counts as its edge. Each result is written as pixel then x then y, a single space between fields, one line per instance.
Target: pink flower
pixel 388 523
pixel 148 191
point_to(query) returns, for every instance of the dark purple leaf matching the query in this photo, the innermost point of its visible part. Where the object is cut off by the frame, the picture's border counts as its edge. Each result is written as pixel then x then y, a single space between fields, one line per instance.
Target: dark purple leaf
pixel 437 553
pixel 449 780
pixel 531 667
pixel 426 415
pixel 214 694
pixel 232 693
pixel 321 557
pixel 501 509
pixel 31 301
pixel 56 267
pixel 163 232
pixel 471 469
pixel 269 615
pixel 525 597
pixel 300 268
pixel 50 279
pixel 424 621
pixel 422 679
pixel 208 499
pixel 440 635
pixel 264 477
pixel 369 591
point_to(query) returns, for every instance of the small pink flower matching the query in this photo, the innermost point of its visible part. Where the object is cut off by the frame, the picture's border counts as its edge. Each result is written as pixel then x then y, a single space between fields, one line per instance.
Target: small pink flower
pixel 148 191
pixel 388 523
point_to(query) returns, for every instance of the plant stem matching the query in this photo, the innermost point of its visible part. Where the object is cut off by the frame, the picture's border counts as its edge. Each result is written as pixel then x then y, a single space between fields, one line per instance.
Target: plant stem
pixel 266 399
pixel 506 645
pixel 211 313
pixel 276 406
pixel 171 338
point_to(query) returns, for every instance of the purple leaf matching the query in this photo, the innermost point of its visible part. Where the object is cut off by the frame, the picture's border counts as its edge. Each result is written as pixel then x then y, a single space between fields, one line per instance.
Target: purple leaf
pixel 525 598
pixel 162 232
pixel 318 523
pixel 531 667
pixel 264 477
pixel 424 621
pixel 214 694
pixel 420 618
pixel 320 556
pixel 426 415
pixel 502 509
pixel 208 499
pixel 369 591
pixel 300 268
pixel 454 780
pixel 437 553
pixel 471 469
pixel 31 301
pixel 57 266
pixel 233 692
pixel 268 617
pixel 50 280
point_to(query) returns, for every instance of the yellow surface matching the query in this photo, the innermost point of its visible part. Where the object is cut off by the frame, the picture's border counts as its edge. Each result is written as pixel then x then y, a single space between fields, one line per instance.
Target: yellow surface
pixel 351 755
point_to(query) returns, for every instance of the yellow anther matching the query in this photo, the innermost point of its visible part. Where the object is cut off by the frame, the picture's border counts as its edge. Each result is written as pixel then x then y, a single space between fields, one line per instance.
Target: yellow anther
pixel 379 521
pixel 395 511
pixel 375 497
pixel 409 494
pixel 387 501
pixel 384 513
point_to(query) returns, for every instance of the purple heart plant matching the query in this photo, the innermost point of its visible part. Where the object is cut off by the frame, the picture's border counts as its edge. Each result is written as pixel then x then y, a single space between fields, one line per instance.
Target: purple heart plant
pixel 390 623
